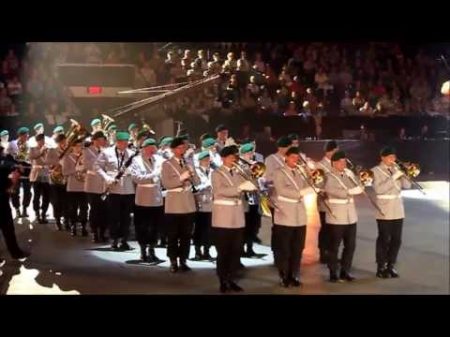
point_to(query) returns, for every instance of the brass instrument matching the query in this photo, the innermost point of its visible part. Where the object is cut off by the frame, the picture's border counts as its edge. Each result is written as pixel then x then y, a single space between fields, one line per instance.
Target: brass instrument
pixel 106 122
pixel 22 153
pixel 147 127
pixel 80 174
pixel 363 175
pixel 256 170
pixel 411 171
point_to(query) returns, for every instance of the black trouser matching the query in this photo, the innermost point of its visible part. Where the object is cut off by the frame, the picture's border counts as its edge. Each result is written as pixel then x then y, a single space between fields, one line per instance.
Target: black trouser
pixel 162 226
pixel 324 235
pixel 120 208
pixel 388 241
pixel 338 233
pixel 202 229
pixel 146 220
pixel 58 198
pixel 15 197
pixel 98 213
pixel 41 190
pixel 78 208
pixel 179 233
pixel 252 224
pixel 272 211
pixel 7 226
pixel 289 243
pixel 228 242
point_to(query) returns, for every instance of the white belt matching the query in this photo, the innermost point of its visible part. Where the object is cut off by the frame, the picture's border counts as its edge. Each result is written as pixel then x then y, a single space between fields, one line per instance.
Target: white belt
pixel 178 189
pixel 340 201
pixel 92 173
pixel 147 185
pixel 293 201
pixel 38 166
pixel 227 202
pixel 388 196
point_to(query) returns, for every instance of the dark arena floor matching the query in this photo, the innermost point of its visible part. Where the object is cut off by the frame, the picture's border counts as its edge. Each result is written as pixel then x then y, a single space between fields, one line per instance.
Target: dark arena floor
pixel 60 264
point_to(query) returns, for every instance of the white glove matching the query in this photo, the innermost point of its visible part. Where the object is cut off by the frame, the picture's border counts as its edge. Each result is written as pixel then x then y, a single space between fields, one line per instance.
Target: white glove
pixel 355 190
pixel 247 186
pixel 305 191
pixel 397 174
pixel 109 180
pixel 185 175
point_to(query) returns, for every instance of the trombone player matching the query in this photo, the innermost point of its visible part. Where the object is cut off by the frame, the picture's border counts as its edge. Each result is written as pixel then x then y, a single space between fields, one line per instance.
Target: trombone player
pixel 388 181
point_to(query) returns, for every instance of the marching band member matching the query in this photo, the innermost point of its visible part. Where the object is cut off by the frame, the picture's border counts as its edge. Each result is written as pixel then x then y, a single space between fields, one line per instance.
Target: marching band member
pixel 295 139
pixel 388 181
pixel 148 210
pixel 178 178
pixel 57 131
pixel 209 144
pixel 289 230
pixel 222 136
pixel 340 190
pixel 203 198
pixel 96 125
pixel 39 178
pixel 228 219
pixel 19 150
pixel 77 201
pixel 325 164
pixel 4 139
pixel 251 206
pixel 120 200
pixel 39 129
pixel 94 187
pixel 57 183
pixel 274 162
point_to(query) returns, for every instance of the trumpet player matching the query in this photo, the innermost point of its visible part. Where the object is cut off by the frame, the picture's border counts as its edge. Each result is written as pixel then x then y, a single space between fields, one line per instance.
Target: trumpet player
pixel 19 150
pixel 202 227
pixel 228 219
pixel 76 197
pixel 178 179
pixel 388 181
pixel 120 201
pixel 289 230
pixel 340 190
pixel 148 210
pixel 325 165
pixel 94 186
pixel 39 129
pixel 57 183
pixel 39 178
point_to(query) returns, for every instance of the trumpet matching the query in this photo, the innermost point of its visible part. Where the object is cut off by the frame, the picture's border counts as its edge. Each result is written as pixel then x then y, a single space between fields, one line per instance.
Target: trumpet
pixel 256 170
pixel 411 171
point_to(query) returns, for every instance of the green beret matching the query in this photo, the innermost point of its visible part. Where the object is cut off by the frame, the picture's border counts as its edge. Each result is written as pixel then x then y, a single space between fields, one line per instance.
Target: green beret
pixel 204 136
pixel 387 150
pixel 142 133
pixel 23 130
pixel 58 129
pixel 208 142
pixel 166 140
pixel 132 126
pixel 229 150
pixel 203 155
pixel 284 141
pixel 112 127
pixel 148 142
pixel 4 133
pixel 293 150
pixel 122 135
pixel 338 155
pixel 247 141
pixel 330 146
pixel 221 127
pixel 95 121
pixel 177 141
pixel 38 125
pixel 293 136
pixel 246 148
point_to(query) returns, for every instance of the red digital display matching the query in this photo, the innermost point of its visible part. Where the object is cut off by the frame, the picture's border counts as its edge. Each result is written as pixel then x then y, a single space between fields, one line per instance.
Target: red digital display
pixel 94 90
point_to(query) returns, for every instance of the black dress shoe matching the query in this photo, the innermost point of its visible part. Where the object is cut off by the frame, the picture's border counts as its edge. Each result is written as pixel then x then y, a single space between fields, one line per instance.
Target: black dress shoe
pixel 347 277
pixel 224 287
pixel 233 286
pixel 206 256
pixel 124 246
pixel 58 225
pixel 392 272
pixel 44 219
pixel 250 253
pixel 295 282
pixel 24 213
pixel 382 272
pixel 257 240
pixel 115 245
pixel 184 267
pixel 284 282
pixel 20 255
pixel 18 214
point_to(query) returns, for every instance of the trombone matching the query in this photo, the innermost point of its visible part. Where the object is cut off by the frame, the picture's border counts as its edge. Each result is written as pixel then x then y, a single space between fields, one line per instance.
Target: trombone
pixel 362 174
pixel 411 170
pixel 257 170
